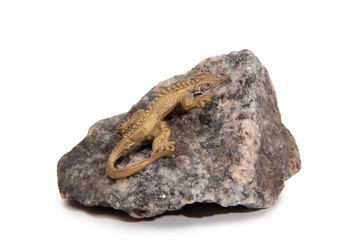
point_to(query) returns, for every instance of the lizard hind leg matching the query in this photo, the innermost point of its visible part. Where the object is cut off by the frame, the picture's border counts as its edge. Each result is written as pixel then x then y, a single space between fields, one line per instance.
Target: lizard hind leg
pixel 161 144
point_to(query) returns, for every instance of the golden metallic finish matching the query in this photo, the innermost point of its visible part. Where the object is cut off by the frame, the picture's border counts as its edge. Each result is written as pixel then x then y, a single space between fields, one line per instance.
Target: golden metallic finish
pixel 149 124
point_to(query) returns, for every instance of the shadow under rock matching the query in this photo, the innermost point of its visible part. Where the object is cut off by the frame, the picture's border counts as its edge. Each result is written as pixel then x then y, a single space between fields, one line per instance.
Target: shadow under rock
pixel 195 210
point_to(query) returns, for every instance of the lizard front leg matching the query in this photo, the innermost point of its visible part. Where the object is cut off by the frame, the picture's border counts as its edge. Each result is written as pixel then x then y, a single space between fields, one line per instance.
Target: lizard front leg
pixel 188 102
pixel 122 128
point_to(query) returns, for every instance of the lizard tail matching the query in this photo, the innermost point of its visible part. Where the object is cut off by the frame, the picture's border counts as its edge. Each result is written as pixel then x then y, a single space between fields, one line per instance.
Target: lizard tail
pixel 115 173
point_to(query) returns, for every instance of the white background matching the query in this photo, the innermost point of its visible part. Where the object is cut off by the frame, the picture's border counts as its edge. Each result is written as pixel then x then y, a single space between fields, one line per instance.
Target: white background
pixel 66 64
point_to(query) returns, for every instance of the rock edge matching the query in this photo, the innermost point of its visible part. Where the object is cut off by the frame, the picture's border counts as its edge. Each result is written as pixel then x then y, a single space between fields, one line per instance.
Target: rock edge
pixel 234 151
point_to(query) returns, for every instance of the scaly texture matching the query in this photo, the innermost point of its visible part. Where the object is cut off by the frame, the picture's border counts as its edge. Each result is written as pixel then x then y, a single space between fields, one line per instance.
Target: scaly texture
pixel 234 151
pixel 149 124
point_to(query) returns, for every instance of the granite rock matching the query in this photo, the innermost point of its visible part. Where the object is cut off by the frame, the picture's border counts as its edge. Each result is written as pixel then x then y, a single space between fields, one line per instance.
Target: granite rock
pixel 234 151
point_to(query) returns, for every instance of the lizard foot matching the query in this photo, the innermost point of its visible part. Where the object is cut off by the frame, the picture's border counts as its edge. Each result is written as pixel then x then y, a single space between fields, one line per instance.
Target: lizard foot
pixel 203 100
pixel 122 127
pixel 119 129
pixel 168 147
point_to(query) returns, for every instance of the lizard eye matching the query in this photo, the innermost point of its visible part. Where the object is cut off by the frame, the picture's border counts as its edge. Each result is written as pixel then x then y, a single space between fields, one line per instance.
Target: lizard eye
pixel 204 87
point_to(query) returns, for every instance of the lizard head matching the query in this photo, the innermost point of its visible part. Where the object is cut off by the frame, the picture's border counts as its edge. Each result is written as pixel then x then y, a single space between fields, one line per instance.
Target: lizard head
pixel 209 81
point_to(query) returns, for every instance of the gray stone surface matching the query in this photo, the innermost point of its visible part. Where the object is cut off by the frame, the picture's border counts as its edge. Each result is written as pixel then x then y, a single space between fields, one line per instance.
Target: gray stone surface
pixel 235 151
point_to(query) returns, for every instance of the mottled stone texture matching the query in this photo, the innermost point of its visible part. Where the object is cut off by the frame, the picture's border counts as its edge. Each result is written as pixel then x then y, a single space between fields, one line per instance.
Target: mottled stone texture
pixel 234 151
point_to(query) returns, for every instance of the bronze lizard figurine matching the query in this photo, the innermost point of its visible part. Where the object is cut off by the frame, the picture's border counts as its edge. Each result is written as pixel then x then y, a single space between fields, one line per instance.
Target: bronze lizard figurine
pixel 149 124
